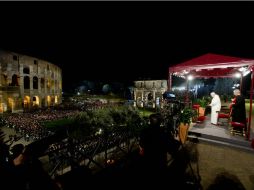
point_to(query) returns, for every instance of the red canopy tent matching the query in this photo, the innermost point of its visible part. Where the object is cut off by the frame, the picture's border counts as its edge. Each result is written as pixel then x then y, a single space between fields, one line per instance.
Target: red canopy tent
pixel 215 66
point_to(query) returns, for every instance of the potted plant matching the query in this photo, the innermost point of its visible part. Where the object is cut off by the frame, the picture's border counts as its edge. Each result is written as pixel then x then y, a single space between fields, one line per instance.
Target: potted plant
pixel 185 118
pixel 203 103
pixel 202 106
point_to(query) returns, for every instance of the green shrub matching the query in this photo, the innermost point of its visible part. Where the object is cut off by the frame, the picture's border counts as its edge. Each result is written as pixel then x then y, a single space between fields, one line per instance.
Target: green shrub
pixel 186 115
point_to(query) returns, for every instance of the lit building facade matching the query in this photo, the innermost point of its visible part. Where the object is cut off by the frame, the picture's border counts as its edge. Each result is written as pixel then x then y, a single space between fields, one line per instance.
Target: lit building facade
pixel 27 82
pixel 149 93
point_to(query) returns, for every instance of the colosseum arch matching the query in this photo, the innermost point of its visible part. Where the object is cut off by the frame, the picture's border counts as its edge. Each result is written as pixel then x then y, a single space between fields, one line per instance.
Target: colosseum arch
pixel 4 79
pixel 1 108
pixel 56 99
pixel 26 82
pixel 36 101
pixel 26 102
pixel 139 102
pixel 52 100
pixel 150 96
pixel 35 82
pixel 14 80
pixel 26 70
pixel 48 100
pixel 42 102
pixel 10 104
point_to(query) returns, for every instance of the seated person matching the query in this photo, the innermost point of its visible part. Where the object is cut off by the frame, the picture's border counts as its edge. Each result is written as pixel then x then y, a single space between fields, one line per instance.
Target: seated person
pixel 238 109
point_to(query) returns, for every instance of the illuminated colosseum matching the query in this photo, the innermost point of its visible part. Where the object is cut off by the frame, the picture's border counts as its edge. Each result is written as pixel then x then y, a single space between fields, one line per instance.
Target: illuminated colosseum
pixel 28 82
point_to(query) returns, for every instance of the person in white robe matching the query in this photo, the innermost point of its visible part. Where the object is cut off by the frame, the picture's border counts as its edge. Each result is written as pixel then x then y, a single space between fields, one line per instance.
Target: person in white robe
pixel 215 108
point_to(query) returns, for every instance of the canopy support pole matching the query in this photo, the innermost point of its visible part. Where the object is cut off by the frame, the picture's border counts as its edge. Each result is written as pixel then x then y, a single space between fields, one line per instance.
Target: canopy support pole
pixel 241 83
pixel 170 82
pixel 187 93
pixel 251 96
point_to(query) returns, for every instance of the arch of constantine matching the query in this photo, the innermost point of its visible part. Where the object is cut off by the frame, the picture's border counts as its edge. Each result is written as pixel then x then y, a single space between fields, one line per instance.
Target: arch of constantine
pixel 149 93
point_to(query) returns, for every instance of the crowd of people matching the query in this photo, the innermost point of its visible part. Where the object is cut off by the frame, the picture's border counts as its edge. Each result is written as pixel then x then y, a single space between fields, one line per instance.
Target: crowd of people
pixel 29 125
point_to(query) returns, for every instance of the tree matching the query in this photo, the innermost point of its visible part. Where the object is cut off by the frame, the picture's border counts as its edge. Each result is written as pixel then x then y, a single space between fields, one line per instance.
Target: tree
pixel 106 88
pixel 223 86
pixel 203 91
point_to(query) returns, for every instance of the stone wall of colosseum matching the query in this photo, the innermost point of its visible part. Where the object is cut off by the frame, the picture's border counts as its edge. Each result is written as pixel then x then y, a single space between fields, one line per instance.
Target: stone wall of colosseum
pixel 27 82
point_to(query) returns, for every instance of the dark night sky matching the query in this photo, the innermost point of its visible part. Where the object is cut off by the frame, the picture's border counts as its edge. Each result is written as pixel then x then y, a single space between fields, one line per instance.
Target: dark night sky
pixel 125 41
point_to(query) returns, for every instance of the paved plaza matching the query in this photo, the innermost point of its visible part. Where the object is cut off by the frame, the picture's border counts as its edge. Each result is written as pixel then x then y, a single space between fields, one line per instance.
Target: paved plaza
pixel 214 160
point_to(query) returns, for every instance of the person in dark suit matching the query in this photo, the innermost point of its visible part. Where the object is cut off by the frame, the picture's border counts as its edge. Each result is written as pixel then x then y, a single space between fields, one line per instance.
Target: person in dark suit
pixel 238 108
pixel 25 172
pixel 155 143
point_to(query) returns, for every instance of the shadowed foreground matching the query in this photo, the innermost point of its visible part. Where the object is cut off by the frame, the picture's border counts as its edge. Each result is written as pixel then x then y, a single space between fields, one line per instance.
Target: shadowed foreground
pixel 132 172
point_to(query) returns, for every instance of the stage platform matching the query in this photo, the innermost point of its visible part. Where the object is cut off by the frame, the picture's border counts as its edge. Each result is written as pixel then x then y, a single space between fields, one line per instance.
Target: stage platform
pixel 220 134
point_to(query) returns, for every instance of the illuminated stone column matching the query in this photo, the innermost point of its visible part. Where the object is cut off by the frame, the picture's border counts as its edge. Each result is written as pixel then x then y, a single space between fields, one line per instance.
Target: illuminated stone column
pixel 154 98
pixel 142 98
pixel 169 81
pixel 135 98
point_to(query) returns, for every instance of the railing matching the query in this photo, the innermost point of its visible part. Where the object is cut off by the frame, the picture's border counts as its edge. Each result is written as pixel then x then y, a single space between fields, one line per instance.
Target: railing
pixel 94 153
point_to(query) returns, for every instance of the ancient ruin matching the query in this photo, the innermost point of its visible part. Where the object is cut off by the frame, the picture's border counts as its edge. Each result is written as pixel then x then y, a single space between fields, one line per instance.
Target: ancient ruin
pixel 27 82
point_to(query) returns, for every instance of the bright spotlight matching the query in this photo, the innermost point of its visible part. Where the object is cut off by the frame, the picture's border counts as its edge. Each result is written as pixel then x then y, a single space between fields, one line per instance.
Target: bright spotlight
pixel 237 75
pixel 190 77
pixel 242 69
